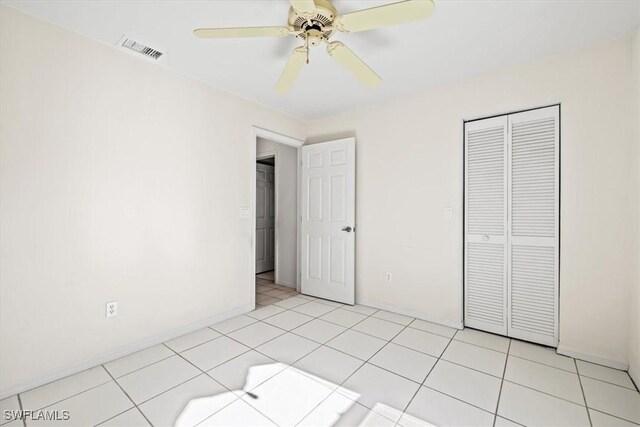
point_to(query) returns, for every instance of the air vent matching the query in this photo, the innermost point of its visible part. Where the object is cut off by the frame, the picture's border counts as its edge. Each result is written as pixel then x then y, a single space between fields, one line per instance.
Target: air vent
pixel 140 48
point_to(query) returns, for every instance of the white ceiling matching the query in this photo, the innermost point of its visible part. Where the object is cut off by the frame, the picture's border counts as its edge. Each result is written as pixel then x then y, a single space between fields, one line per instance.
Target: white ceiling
pixel 462 38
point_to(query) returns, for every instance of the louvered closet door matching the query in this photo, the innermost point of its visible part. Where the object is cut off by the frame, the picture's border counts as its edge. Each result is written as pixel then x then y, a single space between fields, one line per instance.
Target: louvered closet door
pixel 485 225
pixel 533 225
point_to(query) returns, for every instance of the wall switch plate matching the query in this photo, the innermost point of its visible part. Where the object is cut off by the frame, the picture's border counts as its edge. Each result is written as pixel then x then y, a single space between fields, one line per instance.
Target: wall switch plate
pixel 111 309
pixel 448 213
pixel 388 277
pixel 244 211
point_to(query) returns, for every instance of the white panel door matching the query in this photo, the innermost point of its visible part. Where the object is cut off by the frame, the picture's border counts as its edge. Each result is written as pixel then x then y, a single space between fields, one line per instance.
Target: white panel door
pixel 265 218
pixel 485 263
pixel 533 227
pixel 327 230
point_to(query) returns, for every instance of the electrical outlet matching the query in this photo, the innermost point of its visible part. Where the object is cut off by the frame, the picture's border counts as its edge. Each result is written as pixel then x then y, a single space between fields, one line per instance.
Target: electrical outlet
pixel 111 309
pixel 388 277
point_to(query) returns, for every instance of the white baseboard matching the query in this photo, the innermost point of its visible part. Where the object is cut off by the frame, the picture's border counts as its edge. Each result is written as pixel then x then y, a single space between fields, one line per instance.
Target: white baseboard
pixel 122 351
pixel 612 363
pixel 286 285
pixel 422 316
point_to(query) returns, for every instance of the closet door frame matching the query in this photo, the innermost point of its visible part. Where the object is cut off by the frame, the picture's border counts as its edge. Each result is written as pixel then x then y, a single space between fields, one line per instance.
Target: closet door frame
pixel 466 123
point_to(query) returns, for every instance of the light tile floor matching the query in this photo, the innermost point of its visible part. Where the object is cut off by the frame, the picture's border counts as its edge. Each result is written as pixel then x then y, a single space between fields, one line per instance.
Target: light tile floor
pixel 267 292
pixel 310 362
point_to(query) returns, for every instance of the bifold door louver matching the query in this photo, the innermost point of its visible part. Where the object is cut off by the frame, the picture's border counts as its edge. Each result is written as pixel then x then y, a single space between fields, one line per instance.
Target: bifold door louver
pixel 511 225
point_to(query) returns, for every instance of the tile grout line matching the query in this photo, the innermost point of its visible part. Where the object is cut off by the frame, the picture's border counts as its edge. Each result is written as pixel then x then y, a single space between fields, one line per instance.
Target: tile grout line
pixel 586 407
pixel 545 393
pixel 197 345
pixel 172 387
pixel 633 383
pixel 379 350
pixel 61 400
pixel 24 420
pixel 292 364
pixel 226 406
pixel 73 395
pixel 202 371
pixel 296 312
pixel 269 324
pixel 404 411
pixel 476 345
pixel 504 371
pixel 121 413
pixel 249 348
pixel 339 385
pixel 372 356
pixel 608 382
pixel 575 360
pixel 128 397
pixel 543 364
pixel 438 358
pixel 259 352
pixel 468 367
pixel 137 369
pixel 537 361
pixel 613 416
pixel 236 397
pixel 459 399
pixel 321 345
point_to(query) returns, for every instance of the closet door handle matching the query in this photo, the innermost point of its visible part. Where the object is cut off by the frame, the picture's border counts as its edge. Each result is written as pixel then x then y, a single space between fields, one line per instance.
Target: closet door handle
pixel 485 237
pixel 347 229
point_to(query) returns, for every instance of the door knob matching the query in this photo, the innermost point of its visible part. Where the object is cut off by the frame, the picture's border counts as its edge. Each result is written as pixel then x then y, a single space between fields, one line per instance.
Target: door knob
pixel 347 229
pixel 485 237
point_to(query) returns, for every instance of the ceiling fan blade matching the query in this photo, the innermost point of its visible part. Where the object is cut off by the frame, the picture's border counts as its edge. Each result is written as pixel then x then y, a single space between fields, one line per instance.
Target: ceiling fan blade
pixel 303 6
pixel 291 70
pixel 216 33
pixel 389 14
pixel 343 55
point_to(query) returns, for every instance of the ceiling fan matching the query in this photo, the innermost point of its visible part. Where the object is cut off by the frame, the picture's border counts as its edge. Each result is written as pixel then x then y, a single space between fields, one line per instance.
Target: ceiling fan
pixel 315 21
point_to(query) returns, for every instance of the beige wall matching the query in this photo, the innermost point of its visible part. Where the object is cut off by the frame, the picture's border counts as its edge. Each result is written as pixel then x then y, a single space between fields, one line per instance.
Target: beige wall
pixel 409 169
pixel 120 180
pixel 634 324
pixel 287 203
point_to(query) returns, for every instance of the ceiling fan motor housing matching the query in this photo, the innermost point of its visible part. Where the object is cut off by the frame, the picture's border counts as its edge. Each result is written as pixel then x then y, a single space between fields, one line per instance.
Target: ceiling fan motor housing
pixel 314 25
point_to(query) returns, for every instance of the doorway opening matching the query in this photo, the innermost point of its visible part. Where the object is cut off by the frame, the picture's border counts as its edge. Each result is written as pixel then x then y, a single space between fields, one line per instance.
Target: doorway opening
pixel 275 221
pixel 313 229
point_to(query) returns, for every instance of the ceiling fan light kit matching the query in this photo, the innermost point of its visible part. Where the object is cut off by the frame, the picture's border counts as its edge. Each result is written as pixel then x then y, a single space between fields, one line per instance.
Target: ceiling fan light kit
pixel 315 21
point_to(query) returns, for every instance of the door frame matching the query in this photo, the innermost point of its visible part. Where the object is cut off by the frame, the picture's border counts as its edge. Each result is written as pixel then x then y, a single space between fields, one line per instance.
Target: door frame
pixel 267 155
pixel 255 133
pixel 553 103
